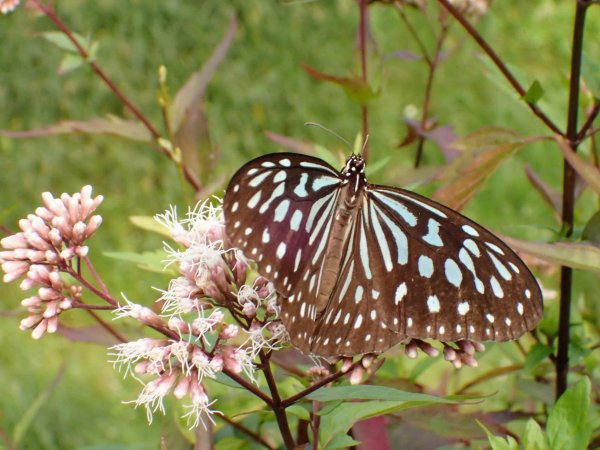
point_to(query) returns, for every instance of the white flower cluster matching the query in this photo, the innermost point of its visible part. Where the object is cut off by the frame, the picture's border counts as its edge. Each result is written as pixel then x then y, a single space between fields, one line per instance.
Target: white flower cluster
pixel 218 322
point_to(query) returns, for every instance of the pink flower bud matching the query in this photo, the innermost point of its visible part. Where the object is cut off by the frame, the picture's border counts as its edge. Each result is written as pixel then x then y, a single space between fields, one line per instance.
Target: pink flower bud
pixel 346 365
pixel 93 224
pixel 55 237
pixel 142 367
pixel 52 324
pixel 40 227
pixel 37 242
pixel 44 214
pixel 229 331
pixel 79 231
pixel 367 361
pixel 249 310
pixel 82 250
pixel 411 349
pixel 39 330
pixel 182 387
pixel 178 324
pixel 428 349
pixel 450 354
pixel 30 321
pixel 31 302
pixel 356 375
pixel 216 363
pixel 14 269
pixel 13 242
pixel 469 360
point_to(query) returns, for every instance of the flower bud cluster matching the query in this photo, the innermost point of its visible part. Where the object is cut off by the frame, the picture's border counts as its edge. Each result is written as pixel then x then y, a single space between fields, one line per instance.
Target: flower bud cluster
pixel 45 246
pixel 475 8
pixel 217 321
pixel 7 6
pixel 459 353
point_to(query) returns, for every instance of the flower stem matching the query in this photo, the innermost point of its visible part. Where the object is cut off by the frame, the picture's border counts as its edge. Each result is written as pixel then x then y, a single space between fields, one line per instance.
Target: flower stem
pixel 277 405
pixel 362 42
pixel 568 199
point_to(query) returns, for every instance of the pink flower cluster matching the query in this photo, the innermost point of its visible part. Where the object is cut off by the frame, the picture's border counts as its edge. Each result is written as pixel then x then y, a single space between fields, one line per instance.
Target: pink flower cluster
pixel 7 6
pixel 45 246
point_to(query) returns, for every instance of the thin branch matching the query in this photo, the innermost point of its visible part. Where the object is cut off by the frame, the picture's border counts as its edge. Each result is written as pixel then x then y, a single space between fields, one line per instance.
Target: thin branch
pixel 95 275
pixel 413 32
pixel 500 64
pixel 589 122
pixel 257 437
pixel 104 296
pixel 318 385
pixel 316 422
pixel 568 200
pixel 364 109
pixel 432 66
pixel 277 406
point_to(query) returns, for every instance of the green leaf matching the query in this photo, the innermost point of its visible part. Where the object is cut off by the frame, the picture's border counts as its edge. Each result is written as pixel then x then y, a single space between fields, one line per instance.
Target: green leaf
pixel 328 156
pixel 534 93
pixel 499 443
pixel 571 254
pixel 377 165
pixel 149 224
pixel 61 40
pixel 150 261
pixel 299 411
pixel 369 392
pixel 69 63
pixel 568 425
pixel 534 438
pixel 357 89
pixel 337 421
pixel 111 125
pixel 231 443
pixel 591 232
pixel 536 355
pixel 342 441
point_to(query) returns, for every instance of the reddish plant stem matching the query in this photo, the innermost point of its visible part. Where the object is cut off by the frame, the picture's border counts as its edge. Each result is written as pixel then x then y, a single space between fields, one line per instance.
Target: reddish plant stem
pixel 432 64
pixel 568 199
pixel 362 42
pixel 276 404
pixel 50 12
pixel 500 64
pixel 316 422
pixel 318 385
pixel 104 296
pixel 95 275
pixel 588 122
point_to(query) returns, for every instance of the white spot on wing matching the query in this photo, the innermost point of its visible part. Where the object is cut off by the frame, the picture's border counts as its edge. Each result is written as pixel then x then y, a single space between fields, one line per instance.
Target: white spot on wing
pixel 401 291
pixel 433 304
pixel 296 220
pixel 433 233
pixel 281 210
pixel 425 266
pixel 470 245
pixel 358 294
pixel 281 250
pixel 453 273
pixel 358 321
pixel 463 308
pixel 470 230
pixel 496 288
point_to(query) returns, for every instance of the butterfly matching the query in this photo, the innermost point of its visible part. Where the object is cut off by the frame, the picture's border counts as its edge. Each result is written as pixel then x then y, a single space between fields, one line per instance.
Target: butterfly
pixel 358 268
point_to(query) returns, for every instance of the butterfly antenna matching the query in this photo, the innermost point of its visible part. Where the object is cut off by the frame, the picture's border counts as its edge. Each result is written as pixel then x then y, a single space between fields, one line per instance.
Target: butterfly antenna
pixel 315 124
pixel 365 144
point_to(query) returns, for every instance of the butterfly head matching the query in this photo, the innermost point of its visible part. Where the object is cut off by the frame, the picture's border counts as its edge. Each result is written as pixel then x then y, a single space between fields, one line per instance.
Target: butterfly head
pixel 354 169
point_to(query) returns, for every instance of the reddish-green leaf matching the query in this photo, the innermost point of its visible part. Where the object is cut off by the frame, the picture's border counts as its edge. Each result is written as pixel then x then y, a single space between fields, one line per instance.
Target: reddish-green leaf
pixel 482 153
pixel 578 255
pixel 111 125
pixel 355 87
pixel 587 171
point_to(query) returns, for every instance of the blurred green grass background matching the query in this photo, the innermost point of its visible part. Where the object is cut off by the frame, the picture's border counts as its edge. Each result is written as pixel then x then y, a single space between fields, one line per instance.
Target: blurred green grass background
pixel 260 86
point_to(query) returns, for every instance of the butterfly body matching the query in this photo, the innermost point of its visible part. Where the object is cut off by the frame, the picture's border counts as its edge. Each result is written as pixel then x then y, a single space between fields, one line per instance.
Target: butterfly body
pixel 360 267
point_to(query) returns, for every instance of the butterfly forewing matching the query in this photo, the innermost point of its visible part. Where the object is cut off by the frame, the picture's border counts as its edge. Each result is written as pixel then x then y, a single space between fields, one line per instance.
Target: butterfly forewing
pixel 368 266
